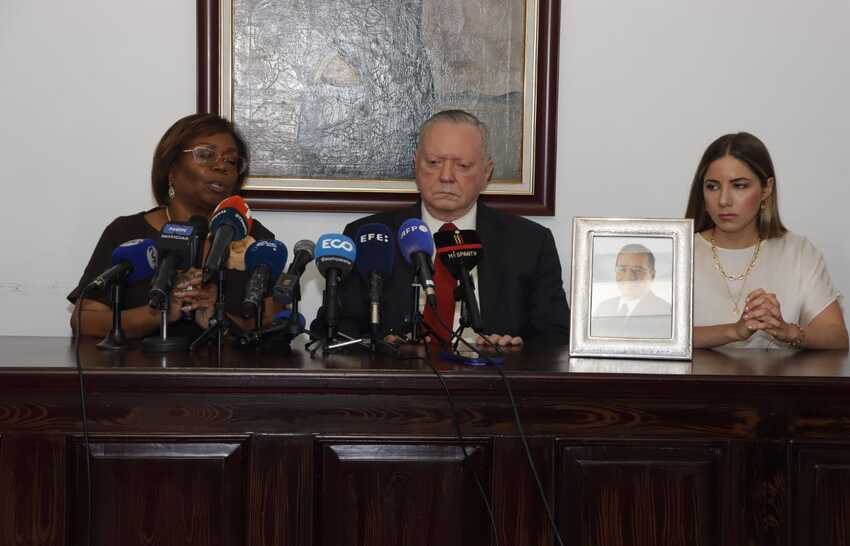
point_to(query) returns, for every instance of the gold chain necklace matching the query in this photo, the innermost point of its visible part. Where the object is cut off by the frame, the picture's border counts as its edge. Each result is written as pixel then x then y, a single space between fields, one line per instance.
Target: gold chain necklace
pixel 736 300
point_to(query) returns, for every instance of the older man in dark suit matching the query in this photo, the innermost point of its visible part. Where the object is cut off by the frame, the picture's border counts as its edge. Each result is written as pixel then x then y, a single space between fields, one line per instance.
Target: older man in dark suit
pixel 518 281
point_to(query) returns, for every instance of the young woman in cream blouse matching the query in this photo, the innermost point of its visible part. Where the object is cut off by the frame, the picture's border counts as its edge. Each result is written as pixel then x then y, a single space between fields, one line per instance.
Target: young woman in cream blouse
pixel 756 284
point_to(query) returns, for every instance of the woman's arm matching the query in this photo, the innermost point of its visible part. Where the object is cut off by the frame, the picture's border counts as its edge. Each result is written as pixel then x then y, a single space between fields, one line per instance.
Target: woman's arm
pixel 706 337
pixel 827 330
pixel 97 319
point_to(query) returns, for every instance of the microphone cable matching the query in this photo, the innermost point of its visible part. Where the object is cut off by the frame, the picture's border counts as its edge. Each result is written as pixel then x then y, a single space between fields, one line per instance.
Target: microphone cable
pixel 459 435
pixel 79 311
pixel 520 429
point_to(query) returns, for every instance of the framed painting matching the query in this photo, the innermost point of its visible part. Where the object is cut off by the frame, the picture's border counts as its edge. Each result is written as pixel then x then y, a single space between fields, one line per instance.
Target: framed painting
pixel 330 94
pixel 631 291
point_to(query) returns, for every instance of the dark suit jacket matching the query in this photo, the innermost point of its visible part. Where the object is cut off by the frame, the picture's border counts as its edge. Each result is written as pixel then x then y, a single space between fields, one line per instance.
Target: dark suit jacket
pixel 520 288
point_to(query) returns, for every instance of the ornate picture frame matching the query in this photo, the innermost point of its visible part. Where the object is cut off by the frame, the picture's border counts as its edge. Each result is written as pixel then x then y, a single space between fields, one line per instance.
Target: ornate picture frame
pixel 632 288
pixel 296 78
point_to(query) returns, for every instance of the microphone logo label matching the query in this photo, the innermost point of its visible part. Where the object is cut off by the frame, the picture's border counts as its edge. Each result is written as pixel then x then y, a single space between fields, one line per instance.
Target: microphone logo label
pixel 152 256
pixel 380 237
pixel 177 229
pixel 338 244
pixel 410 229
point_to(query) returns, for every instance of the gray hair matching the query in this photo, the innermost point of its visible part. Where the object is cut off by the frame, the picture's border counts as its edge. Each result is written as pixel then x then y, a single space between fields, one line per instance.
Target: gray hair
pixel 460 117
pixel 635 248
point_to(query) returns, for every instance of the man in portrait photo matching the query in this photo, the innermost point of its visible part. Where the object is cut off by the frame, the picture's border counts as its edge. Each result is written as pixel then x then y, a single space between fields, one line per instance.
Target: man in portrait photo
pixel 637 312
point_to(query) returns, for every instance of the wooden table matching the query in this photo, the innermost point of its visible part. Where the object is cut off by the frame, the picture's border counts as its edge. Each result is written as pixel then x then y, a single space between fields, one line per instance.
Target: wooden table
pixel 737 448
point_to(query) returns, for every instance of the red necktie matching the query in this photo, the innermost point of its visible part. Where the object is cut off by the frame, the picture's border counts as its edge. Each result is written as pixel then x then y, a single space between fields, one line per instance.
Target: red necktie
pixel 444 284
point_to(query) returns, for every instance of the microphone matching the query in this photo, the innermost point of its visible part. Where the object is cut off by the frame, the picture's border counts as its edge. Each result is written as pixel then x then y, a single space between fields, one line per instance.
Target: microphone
pixel 231 221
pixel 202 230
pixel 287 284
pixel 417 247
pixel 132 261
pixel 282 323
pixel 335 255
pixel 460 251
pixel 178 245
pixel 265 260
pixel 374 260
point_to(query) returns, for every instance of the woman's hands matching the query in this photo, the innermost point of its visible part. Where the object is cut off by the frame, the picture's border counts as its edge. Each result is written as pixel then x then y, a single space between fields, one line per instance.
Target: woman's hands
pixel 762 312
pixel 190 295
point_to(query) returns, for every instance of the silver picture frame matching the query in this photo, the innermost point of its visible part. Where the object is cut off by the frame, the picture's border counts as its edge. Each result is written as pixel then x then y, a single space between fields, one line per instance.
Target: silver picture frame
pixel 631 290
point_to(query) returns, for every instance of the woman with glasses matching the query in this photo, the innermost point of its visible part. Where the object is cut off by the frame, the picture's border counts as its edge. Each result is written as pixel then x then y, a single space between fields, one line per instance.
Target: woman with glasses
pixel 199 161
pixel 755 283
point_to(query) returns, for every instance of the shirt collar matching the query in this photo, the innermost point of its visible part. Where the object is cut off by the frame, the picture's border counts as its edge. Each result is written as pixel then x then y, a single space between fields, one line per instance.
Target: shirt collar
pixel 467 221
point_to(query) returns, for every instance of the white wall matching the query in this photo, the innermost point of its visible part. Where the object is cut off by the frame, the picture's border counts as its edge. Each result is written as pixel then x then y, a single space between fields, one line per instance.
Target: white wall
pixel 88 87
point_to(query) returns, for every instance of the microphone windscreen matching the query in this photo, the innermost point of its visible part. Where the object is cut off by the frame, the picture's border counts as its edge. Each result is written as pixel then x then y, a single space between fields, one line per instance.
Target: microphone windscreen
pixel 374 249
pixel 201 225
pixel 230 217
pixel 272 253
pixel 306 245
pixel 238 204
pixel 414 236
pixel 335 251
pixel 459 247
pixel 141 254
pixel 286 315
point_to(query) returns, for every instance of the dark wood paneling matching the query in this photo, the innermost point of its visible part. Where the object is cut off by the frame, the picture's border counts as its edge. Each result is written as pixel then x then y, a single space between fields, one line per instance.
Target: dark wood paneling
pixel 520 514
pixel 710 452
pixel 821 496
pixel 280 492
pixel 649 495
pixel 163 491
pixel 758 495
pixel 32 490
pixel 411 494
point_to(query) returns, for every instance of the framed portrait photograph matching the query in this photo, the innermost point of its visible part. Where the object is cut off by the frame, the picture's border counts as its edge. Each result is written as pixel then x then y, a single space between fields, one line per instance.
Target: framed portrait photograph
pixel 631 291
pixel 330 94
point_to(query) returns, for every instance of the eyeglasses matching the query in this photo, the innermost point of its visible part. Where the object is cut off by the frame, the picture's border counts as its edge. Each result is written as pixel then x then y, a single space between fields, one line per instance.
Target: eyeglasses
pixel 209 157
pixel 634 270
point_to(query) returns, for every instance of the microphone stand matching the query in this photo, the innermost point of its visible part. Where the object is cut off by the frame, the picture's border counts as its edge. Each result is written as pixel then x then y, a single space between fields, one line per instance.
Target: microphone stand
pixel 219 323
pixel 115 340
pixel 419 329
pixel 335 339
pixel 164 344
pixel 283 332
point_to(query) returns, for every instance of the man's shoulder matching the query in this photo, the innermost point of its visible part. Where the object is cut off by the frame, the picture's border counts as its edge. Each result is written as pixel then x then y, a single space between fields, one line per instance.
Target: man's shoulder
pixel 514 223
pixel 391 218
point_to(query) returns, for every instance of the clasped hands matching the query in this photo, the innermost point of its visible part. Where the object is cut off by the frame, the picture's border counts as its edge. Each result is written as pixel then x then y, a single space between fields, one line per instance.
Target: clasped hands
pixel 762 312
pixel 190 295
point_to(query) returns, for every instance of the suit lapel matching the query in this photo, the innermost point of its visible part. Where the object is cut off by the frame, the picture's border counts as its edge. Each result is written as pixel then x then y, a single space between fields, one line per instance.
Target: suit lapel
pixel 489 287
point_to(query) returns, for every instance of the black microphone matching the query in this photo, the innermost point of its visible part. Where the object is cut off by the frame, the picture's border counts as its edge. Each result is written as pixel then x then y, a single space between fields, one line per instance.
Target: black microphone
pixel 177 246
pixel 287 284
pixel 335 255
pixel 264 260
pixel 417 247
pixel 283 323
pixel 202 230
pixel 460 251
pixel 231 221
pixel 374 260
